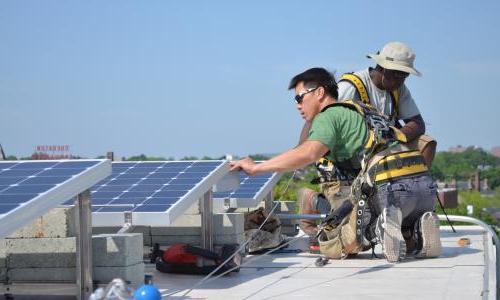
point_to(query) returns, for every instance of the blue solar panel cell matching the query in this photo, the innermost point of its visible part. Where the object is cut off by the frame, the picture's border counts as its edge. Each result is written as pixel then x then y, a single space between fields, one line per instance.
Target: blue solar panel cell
pixel 111 188
pixel 6 165
pixel 95 201
pixel 162 200
pixel 106 195
pixel 146 188
pixel 59 172
pixel 27 189
pixel 197 176
pixel 160 175
pixel 5 208
pixel 34 165
pixel 155 181
pixel 185 181
pixel 46 180
pixel 16 198
pixel 114 181
pixel 36 186
pixel 19 173
pixel 178 187
pixel 170 194
pixel 10 180
pixel 138 195
pixel 132 200
pixel 251 190
pixel 133 175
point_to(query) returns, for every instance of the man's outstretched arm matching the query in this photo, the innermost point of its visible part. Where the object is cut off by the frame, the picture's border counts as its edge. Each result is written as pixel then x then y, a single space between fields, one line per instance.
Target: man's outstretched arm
pixel 304 154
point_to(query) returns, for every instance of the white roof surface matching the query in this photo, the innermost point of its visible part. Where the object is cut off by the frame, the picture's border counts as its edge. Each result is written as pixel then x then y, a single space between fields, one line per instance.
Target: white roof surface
pixel 460 273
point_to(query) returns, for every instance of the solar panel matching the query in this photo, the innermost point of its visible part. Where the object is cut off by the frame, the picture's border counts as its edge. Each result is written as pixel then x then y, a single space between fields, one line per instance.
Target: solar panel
pixel 155 193
pixel 28 189
pixel 252 190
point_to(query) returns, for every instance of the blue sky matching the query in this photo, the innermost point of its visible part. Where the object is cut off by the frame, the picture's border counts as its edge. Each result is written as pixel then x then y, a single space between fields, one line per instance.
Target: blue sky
pixel 178 78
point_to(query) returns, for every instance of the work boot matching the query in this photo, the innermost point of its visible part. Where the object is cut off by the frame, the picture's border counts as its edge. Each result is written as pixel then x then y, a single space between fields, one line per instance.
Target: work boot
pixel 428 236
pixel 306 206
pixel 388 231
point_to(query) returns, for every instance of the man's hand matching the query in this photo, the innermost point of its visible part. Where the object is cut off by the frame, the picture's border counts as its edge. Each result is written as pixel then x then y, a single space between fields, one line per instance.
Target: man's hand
pixel 247 165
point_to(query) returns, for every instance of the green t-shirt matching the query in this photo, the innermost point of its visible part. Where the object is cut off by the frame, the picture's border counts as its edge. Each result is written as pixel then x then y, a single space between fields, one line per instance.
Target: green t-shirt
pixel 341 129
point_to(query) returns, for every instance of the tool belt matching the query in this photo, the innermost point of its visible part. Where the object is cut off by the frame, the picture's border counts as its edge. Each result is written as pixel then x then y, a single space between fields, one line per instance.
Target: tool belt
pixel 342 231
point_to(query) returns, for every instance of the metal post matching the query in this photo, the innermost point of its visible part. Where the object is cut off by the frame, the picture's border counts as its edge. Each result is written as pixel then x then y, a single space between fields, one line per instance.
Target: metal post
pixel 301 216
pixel 127 226
pixel 268 202
pixel 83 218
pixel 207 226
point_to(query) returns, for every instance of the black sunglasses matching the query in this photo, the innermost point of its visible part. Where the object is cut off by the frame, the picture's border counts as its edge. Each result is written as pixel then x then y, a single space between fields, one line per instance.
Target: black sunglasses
pixel 300 97
pixel 395 74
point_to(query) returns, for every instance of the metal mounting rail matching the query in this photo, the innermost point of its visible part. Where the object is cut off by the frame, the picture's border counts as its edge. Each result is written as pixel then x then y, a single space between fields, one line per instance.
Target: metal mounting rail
pixel 488 229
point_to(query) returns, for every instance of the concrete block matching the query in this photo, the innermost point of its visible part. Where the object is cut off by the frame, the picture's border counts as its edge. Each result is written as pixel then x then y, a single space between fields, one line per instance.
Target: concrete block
pixel 133 274
pixel 3 253
pixel 42 274
pixel 58 222
pixel 123 249
pixel 226 223
pixel 145 230
pixel 41 252
pixel 108 250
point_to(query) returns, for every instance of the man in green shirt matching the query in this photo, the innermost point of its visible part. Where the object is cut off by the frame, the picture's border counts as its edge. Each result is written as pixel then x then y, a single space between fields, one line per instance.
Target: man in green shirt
pixel 340 134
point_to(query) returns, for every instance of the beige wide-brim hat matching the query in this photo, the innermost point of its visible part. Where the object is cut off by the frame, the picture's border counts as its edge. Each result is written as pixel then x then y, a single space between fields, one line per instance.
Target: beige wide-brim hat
pixel 396 56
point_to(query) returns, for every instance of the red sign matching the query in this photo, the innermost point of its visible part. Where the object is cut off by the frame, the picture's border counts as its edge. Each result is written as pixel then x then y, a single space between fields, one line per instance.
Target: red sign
pixel 51 152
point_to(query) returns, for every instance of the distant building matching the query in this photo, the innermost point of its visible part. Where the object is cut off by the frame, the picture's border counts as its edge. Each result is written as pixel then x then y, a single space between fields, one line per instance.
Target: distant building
pixel 457 149
pixel 495 151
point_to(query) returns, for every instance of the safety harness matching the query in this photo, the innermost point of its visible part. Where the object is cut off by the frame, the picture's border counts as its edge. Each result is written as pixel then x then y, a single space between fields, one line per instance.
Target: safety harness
pixel 384 157
pixel 327 171
pixel 363 93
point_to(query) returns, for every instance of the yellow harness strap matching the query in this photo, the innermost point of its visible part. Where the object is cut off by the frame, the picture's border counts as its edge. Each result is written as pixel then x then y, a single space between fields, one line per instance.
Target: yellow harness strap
pixel 358 84
pixel 363 94
pixel 395 104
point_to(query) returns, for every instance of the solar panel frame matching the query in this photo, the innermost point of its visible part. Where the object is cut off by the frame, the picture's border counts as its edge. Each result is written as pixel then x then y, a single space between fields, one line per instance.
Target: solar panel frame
pixel 236 201
pixel 51 197
pixel 109 216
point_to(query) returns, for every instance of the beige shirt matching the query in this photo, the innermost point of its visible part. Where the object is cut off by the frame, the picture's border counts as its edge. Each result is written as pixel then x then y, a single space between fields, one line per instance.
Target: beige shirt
pixel 380 99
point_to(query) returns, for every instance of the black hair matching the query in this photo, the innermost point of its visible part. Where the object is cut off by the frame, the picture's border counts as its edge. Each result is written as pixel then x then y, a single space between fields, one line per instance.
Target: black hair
pixel 316 77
